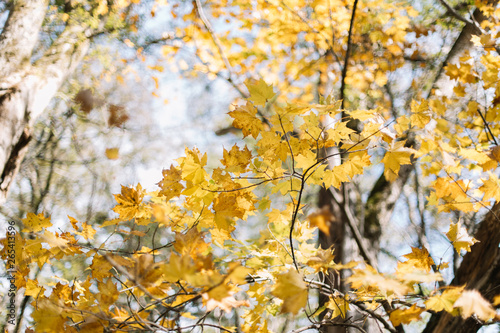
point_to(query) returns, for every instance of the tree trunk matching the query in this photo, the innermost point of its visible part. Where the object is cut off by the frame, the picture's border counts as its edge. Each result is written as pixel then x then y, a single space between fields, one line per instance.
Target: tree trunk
pixel 26 89
pixel 480 270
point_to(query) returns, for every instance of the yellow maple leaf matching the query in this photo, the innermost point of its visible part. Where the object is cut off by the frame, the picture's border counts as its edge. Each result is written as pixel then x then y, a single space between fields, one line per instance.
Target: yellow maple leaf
pixel 236 160
pixel 191 243
pixel 305 160
pixel 170 184
pixel 355 164
pixel 444 301
pixel 369 277
pixel 420 113
pixel 130 203
pixel 361 114
pixel 87 231
pixel 491 188
pixel 33 289
pixel 395 157
pixel 245 119
pixel 472 302
pixel 260 92
pixel 35 223
pixel 100 267
pixel 226 303
pixel 108 293
pixel 322 219
pixel 292 290
pixel 321 260
pixel 178 268
pixel 335 177
pixel 271 147
pixel 405 316
pixel 474 155
pixel 420 258
pixel 408 272
pixel 47 316
pixel 460 238
pixel 340 132
pixel 192 166
pixel 237 274
pixel 53 240
pixel 339 306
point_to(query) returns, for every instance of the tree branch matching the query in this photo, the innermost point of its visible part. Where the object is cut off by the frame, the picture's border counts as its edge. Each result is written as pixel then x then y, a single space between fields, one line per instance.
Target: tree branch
pixel 347 54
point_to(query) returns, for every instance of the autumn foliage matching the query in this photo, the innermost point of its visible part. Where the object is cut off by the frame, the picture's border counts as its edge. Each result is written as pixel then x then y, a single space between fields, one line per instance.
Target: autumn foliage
pixel 159 285
pixel 231 245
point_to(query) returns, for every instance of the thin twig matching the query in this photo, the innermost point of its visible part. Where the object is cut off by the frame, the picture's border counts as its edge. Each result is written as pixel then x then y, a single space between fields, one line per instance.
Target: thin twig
pixel 487 126
pixel 294 219
pixel 216 40
pixel 347 54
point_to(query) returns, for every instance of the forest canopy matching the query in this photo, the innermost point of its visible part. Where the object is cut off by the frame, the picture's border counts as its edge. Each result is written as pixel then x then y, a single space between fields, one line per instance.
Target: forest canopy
pixel 360 191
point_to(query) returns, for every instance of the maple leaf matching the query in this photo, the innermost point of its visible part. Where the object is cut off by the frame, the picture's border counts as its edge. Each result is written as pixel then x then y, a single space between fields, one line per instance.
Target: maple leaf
pixel 178 268
pixel 369 277
pixel 321 260
pixel 226 304
pixel 35 223
pixel 192 166
pixel 87 231
pixel 322 219
pixel 460 238
pixel 395 157
pixel 494 153
pixel 245 119
pixel 355 164
pixel 340 132
pixel 108 293
pixel 472 302
pixel 100 267
pixel 271 147
pixel 117 116
pixel 420 113
pixel 190 243
pixel 170 184
pixel 33 289
pixel 335 177
pixel 130 203
pixel 53 240
pixel 260 92
pixel 408 272
pixel 405 316
pixel 238 274
pixel 445 301
pixel 361 114
pixel 491 188
pixel 339 306
pixel 420 258
pixel 236 160
pixel 47 316
pixel 305 160
pixel 292 290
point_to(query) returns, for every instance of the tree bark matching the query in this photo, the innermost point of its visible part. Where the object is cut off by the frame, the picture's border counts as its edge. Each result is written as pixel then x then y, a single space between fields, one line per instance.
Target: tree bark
pixel 26 89
pixel 480 270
